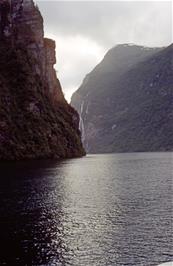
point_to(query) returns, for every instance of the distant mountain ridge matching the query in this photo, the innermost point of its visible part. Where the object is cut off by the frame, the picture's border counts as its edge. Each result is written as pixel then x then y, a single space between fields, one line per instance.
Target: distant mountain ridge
pixel 125 103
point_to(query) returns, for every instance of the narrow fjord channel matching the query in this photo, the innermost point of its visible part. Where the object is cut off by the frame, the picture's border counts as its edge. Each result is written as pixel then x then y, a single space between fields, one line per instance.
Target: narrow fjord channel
pixel 101 210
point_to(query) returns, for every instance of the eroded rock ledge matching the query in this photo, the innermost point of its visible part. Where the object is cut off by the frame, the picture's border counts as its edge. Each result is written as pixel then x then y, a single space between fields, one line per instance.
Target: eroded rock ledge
pixel 35 119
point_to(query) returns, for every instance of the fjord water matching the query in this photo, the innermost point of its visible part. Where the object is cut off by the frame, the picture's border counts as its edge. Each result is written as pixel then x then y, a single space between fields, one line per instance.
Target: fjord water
pixel 98 210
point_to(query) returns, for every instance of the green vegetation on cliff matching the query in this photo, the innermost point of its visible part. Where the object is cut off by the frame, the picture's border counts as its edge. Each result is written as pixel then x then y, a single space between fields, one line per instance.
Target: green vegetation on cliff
pixel 30 125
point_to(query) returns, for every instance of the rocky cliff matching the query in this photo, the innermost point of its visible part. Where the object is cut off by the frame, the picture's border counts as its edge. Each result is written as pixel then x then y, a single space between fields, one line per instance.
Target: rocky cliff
pixel 35 119
pixel 125 103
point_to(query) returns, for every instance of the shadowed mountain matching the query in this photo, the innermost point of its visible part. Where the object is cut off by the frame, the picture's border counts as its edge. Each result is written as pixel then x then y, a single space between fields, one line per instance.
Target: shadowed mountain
pixel 125 103
pixel 36 121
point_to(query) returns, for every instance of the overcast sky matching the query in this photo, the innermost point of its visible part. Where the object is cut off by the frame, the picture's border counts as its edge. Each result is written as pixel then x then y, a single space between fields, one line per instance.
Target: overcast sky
pixel 85 31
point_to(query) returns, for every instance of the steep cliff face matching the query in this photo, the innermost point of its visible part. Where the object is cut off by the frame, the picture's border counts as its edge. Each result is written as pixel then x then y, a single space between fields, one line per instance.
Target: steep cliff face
pixel 125 103
pixel 35 119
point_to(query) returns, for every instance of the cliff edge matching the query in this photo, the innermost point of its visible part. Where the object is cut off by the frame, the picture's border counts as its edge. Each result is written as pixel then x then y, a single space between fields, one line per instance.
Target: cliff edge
pixel 35 119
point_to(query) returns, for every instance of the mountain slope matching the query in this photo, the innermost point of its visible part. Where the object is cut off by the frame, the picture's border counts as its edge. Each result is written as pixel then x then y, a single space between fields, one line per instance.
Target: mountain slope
pixel 35 119
pixel 126 101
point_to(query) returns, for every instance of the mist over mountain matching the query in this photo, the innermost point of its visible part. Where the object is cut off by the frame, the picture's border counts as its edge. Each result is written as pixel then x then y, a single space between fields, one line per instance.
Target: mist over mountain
pixel 125 103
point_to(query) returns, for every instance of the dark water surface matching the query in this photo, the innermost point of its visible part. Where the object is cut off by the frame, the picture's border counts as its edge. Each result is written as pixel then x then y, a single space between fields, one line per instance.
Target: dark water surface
pixel 94 211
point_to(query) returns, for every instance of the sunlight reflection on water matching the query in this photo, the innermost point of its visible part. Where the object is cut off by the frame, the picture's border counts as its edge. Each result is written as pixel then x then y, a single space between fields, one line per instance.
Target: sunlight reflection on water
pixel 98 210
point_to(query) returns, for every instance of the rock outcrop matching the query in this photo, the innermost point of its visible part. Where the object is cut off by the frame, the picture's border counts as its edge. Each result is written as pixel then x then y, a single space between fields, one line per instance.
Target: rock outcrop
pixel 35 119
pixel 125 103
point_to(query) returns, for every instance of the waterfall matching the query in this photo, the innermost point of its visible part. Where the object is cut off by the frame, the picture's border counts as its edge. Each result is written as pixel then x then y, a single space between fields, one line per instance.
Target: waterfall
pixel 81 123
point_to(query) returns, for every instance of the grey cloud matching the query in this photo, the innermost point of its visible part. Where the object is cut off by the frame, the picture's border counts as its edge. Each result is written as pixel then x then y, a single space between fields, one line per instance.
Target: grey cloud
pixel 111 22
